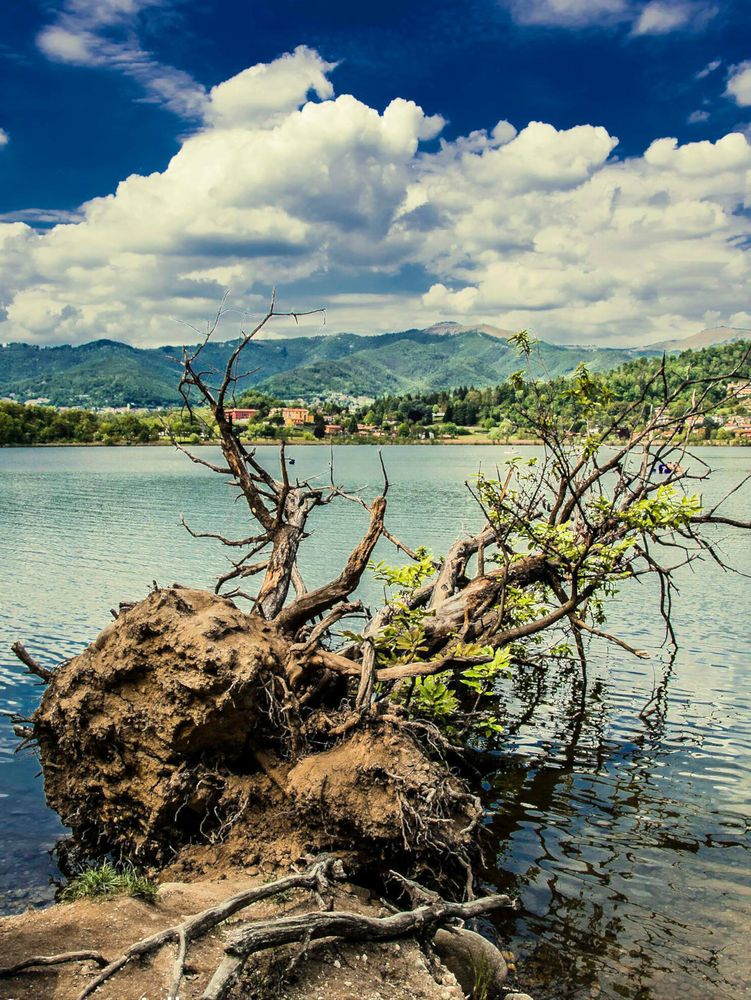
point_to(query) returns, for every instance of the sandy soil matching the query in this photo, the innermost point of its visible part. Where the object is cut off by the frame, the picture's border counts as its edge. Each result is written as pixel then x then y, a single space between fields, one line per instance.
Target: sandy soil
pixel 393 971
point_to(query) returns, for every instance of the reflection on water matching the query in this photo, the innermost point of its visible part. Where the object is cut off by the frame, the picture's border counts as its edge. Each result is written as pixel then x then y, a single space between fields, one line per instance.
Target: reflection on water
pixel 625 837
pixel 628 846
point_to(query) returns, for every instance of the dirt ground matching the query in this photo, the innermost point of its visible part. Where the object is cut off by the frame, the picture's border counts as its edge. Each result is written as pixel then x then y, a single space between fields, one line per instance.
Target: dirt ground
pixel 391 971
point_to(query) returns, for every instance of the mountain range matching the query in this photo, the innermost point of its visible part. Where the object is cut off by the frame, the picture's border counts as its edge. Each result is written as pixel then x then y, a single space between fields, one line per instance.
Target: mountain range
pixel 446 355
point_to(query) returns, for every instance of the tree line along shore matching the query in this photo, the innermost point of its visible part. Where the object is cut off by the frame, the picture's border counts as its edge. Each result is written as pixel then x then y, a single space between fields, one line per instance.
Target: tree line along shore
pixel 468 415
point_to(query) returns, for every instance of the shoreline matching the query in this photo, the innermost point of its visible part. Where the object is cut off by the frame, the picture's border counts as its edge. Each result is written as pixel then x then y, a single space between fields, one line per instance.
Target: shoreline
pixel 464 440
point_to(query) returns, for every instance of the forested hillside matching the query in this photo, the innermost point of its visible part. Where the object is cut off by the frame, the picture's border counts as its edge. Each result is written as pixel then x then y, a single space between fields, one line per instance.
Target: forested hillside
pixel 107 373
pixel 502 406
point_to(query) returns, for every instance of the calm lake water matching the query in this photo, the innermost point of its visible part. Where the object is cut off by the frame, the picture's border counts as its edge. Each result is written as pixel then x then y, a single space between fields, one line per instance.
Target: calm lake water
pixel 626 838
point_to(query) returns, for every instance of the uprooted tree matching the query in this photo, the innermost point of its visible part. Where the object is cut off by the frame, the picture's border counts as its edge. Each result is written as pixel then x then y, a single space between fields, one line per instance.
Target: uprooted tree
pixel 310 716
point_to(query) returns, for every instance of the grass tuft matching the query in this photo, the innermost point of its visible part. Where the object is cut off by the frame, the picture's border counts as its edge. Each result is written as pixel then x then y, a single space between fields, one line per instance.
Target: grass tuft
pixel 483 973
pixel 105 881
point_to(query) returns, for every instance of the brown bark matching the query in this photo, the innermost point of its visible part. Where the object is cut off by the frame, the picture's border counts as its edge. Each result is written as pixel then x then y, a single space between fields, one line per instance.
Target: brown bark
pixel 465 607
pixel 318 601
pixel 32 665
pixel 44 961
pixel 285 544
pixel 455 564
pixel 344 925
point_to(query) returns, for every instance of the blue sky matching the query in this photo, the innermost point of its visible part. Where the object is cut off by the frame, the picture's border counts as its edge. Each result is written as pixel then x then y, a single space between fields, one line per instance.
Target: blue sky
pixel 145 166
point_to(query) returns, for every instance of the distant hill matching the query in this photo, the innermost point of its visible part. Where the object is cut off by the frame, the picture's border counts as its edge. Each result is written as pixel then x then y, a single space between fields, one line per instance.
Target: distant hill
pixel 100 373
pixel 707 338
pixel 450 329
pixel 421 361
pixel 109 373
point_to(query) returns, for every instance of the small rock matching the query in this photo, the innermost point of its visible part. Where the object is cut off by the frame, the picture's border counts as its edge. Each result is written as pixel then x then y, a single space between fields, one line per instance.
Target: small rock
pixel 517 996
pixel 463 952
pixel 337 964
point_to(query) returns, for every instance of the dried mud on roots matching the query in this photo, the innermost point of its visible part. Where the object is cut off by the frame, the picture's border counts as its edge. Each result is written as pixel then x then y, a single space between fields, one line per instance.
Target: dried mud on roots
pixel 166 738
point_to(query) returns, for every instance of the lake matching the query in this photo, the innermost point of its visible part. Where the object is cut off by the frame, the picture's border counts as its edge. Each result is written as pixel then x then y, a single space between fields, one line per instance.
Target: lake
pixel 624 833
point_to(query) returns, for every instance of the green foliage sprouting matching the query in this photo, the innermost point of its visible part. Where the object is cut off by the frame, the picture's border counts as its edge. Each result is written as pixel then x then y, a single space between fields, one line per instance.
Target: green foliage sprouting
pixel 453 698
pixel 105 881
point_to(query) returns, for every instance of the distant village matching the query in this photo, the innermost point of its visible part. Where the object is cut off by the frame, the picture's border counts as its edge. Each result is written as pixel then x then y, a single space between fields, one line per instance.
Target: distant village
pixel 324 425
pixel 303 418
pixel 466 414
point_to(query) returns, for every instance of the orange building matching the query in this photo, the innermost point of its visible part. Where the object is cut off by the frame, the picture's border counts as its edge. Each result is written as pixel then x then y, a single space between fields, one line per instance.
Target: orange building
pixel 294 416
pixel 740 390
pixel 240 416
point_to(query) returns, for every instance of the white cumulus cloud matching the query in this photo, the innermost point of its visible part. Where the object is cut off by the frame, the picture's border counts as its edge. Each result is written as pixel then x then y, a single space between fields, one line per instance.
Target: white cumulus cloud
pixel 739 84
pixel 569 13
pixel 4 138
pixel 267 90
pixel 343 205
pixel 662 16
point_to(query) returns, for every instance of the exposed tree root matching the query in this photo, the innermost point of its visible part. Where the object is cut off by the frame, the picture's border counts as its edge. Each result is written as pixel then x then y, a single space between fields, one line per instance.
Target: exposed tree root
pixel 307 927
pixel 37 961
pixel 316 878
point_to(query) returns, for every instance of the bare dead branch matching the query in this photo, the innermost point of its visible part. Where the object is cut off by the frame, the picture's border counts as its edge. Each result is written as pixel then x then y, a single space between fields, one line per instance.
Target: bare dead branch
pixel 367 676
pixel 641 653
pixel 455 564
pixel 320 600
pixel 237 543
pixel 429 668
pixel 32 665
pixel 319 631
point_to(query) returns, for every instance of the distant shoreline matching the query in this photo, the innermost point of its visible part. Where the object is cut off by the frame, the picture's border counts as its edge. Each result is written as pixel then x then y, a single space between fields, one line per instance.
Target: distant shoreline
pixel 265 442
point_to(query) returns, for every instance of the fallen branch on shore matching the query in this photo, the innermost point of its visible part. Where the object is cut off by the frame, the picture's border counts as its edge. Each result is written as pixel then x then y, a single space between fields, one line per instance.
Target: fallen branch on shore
pixel 317 877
